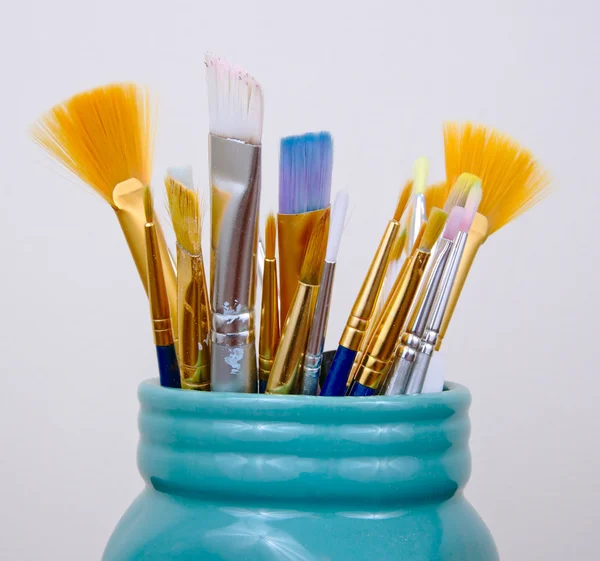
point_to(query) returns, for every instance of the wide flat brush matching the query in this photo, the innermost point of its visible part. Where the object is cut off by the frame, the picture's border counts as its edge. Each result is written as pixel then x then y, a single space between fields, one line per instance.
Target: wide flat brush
pixel 379 353
pixel 365 305
pixel 269 314
pixel 235 103
pixel 104 136
pixel 159 303
pixel 305 170
pixel 192 294
pixel 513 182
pixel 311 369
pixel 290 352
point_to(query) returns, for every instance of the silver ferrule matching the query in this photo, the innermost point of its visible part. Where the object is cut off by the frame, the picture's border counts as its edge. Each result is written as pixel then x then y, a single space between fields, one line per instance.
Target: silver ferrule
pixel 415 382
pixel 428 287
pixel 442 297
pixel 311 369
pixel 235 196
pixel 417 219
pixel 399 371
pixel 318 328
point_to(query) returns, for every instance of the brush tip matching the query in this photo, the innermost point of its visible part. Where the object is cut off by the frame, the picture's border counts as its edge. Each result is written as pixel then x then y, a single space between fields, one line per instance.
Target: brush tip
pixel 336 226
pixel 403 199
pixel 398 247
pixel 235 101
pixel 453 223
pixel 315 252
pixel 435 225
pixel 305 171
pixel 460 190
pixel 420 171
pixel 183 174
pixel 148 207
pixel 184 208
pixel 471 207
pixel 270 236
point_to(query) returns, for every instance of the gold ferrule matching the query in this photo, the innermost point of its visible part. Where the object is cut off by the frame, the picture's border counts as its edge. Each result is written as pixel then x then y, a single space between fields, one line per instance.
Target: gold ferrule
pixel 194 322
pixel 477 235
pixel 379 353
pixel 157 292
pixel 366 301
pixel 129 207
pixel 293 233
pixel 290 352
pixel 269 320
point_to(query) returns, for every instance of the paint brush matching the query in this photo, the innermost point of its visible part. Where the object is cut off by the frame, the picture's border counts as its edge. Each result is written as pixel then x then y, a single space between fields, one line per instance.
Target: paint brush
pixel 365 306
pixel 513 182
pixel 289 356
pixel 192 294
pixel 269 313
pixel 313 356
pixel 104 136
pixel 426 348
pixel 398 376
pixel 380 349
pixel 418 215
pixel 235 103
pixel 159 302
pixel 305 169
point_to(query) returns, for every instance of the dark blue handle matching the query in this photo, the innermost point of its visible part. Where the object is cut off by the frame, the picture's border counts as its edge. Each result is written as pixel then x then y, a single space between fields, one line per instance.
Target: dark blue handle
pixel 335 383
pixel 168 367
pixel 358 390
pixel 262 386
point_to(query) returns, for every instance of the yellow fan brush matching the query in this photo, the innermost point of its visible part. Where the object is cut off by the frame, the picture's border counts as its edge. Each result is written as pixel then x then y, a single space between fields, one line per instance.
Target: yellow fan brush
pixel 104 137
pixel 512 180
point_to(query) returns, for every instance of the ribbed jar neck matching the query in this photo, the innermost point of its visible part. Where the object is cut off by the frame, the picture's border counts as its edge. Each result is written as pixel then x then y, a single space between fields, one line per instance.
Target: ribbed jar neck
pixel 297 449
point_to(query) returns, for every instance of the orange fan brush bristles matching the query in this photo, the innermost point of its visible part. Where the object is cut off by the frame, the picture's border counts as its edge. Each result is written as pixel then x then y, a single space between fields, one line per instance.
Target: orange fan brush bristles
pixel 513 181
pixel 103 136
pixel 435 196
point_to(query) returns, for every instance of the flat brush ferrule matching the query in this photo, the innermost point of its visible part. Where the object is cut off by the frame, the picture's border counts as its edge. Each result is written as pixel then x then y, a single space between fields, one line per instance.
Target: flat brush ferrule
pixel 316 339
pixel 269 320
pixel 366 301
pixel 417 219
pixel 290 352
pixel 235 193
pixel 194 324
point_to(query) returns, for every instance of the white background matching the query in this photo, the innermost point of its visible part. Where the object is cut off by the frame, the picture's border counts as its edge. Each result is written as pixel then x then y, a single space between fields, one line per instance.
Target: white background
pixel 382 76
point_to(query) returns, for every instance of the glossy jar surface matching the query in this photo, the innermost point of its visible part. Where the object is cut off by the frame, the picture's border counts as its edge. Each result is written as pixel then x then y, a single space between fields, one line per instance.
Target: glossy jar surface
pixel 244 477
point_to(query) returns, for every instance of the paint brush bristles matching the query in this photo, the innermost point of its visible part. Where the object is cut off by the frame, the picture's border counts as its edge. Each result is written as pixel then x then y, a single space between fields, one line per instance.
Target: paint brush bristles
pixel 305 169
pixel 460 190
pixel 270 236
pixel 312 265
pixel 104 136
pixel 336 226
pixel 403 199
pixel 235 101
pixel 513 181
pixel 148 205
pixel 435 225
pixel 184 207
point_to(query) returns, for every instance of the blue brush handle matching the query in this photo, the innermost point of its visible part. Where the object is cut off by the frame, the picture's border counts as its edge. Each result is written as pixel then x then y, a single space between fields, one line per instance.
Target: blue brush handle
pixel 262 386
pixel 335 383
pixel 168 368
pixel 358 390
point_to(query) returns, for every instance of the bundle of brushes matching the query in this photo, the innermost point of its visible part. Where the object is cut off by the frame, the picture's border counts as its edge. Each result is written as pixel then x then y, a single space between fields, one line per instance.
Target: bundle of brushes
pixel 205 326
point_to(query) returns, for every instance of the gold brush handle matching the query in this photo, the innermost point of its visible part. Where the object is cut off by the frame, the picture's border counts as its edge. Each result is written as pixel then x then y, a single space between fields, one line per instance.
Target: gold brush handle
pixel 477 235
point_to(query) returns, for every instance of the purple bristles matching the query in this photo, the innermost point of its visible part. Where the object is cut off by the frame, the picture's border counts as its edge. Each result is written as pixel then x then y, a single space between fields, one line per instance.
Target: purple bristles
pixel 453 222
pixel 305 167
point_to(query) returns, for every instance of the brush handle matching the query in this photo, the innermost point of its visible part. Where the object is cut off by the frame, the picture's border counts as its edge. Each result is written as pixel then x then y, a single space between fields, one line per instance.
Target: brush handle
pixel 168 368
pixel 335 383
pixel 262 386
pixel 418 373
pixel 358 390
pixel 399 372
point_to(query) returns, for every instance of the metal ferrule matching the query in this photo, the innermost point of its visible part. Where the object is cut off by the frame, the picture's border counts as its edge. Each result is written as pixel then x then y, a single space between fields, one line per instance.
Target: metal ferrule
pixel 316 337
pixel 269 320
pixel 477 235
pixel 157 292
pixel 366 301
pixel 235 193
pixel 399 371
pixel 417 219
pixel 290 352
pixel 380 350
pixel 194 324
pixel 128 199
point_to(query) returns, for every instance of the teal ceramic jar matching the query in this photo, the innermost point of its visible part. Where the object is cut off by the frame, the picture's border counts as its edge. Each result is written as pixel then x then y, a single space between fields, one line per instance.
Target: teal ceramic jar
pixel 244 477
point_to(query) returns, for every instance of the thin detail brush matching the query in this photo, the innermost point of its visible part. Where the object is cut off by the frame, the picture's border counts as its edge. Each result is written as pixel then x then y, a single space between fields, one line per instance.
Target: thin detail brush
pixel 159 303
pixel 380 349
pixel 269 314
pixel 192 294
pixel 289 356
pixel 364 307
pixel 305 171
pixel 418 214
pixel 316 339
pixel 235 104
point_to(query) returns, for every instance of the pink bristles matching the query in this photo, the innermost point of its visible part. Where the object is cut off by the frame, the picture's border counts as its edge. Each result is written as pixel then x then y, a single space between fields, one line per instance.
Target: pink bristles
pixel 471 206
pixel 453 222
